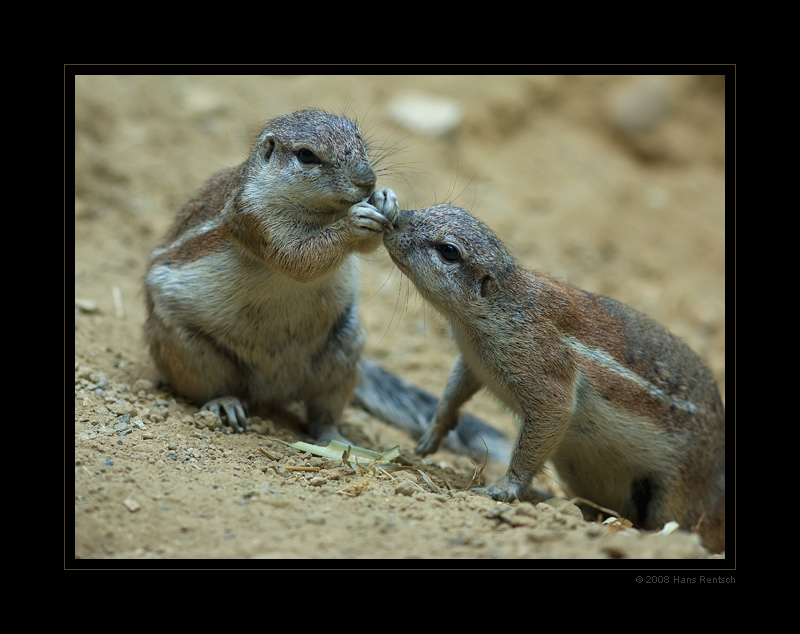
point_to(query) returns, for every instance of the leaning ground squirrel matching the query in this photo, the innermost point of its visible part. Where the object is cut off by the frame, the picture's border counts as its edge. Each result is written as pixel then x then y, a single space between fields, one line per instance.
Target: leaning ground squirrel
pixel 629 415
pixel 253 298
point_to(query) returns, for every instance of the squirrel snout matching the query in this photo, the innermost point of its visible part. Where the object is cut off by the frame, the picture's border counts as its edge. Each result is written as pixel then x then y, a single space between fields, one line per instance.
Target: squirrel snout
pixel 403 219
pixel 364 176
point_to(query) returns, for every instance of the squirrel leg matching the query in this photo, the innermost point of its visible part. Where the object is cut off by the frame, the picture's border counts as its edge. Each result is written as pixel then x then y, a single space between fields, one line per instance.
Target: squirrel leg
pixel 461 385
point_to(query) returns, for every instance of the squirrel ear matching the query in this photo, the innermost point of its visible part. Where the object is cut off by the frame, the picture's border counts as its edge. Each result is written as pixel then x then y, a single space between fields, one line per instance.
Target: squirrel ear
pixel 269 144
pixel 488 285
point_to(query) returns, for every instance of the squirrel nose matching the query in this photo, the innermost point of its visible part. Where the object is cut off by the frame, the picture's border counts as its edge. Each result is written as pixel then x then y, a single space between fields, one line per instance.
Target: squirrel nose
pixel 364 177
pixel 403 219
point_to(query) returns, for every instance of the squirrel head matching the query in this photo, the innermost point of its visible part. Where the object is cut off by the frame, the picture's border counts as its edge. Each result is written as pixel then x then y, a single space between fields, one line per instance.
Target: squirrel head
pixel 316 157
pixel 451 257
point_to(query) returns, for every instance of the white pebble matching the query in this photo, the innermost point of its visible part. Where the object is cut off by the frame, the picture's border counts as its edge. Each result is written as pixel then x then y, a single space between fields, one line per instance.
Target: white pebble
pixel 641 104
pixel 426 114
pixel 131 504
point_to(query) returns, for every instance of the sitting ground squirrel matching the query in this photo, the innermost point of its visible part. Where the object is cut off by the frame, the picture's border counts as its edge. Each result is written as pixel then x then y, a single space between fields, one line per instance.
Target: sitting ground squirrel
pixel 253 298
pixel 629 415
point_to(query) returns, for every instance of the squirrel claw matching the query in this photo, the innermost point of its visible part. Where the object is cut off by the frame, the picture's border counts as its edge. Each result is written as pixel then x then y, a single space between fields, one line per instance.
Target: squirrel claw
pixel 385 201
pixel 429 443
pixel 504 491
pixel 368 219
pixel 231 408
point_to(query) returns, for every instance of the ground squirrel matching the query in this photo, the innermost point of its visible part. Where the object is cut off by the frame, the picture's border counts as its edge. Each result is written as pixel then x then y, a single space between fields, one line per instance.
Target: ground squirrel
pixel 253 298
pixel 630 416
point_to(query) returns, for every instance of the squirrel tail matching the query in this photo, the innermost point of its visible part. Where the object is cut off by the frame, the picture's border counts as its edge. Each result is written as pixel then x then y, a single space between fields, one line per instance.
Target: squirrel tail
pixel 405 406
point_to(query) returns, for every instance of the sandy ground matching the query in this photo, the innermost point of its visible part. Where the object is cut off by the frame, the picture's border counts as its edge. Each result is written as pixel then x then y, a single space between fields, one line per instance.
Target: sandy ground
pixel 614 183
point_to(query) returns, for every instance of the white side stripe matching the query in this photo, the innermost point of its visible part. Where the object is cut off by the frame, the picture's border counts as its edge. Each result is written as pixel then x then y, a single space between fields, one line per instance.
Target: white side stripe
pixel 600 356
pixel 206 227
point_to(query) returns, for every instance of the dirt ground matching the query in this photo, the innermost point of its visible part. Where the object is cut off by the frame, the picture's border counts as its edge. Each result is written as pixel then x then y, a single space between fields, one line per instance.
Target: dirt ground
pixel 614 183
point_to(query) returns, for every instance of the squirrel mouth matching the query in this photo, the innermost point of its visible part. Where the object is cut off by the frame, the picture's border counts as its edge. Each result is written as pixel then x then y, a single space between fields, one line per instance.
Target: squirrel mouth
pixel 400 264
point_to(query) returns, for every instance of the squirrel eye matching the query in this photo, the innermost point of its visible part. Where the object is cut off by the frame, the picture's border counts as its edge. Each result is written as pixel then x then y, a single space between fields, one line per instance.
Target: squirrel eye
pixel 307 156
pixel 448 253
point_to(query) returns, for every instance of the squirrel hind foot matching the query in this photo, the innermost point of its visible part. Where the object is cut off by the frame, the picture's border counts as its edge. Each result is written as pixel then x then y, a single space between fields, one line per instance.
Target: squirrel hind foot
pixel 231 409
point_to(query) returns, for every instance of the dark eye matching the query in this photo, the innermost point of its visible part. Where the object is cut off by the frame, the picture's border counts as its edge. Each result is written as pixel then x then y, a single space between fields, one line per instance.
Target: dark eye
pixel 307 156
pixel 448 253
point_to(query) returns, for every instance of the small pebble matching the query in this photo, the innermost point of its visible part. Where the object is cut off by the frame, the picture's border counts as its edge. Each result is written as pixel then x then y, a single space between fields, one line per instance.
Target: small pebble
pixel 132 505
pixel 86 305
pixel 406 488
pixel 204 418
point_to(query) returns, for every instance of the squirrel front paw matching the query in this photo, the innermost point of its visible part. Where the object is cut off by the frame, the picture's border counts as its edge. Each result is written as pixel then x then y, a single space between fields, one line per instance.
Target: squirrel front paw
pixel 372 217
pixel 367 220
pixel 385 201
pixel 506 490
pixel 429 442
